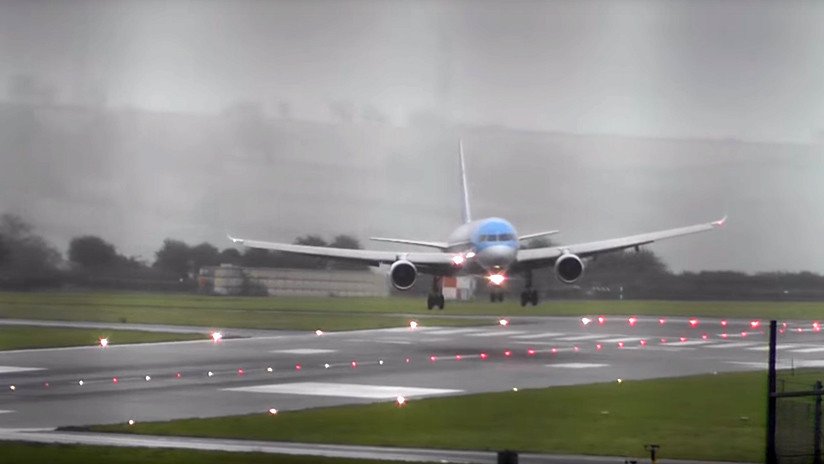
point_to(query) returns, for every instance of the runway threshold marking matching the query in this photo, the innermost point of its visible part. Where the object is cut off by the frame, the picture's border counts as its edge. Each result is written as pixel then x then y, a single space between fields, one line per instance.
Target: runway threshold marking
pixel 733 345
pixel 346 390
pixel 304 351
pixel 13 369
pixel 539 335
pixel 583 337
pixel 499 332
pixel 5 411
pixel 809 350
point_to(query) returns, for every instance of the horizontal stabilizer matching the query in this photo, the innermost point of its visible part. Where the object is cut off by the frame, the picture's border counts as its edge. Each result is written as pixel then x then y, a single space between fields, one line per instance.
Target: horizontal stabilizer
pixel 538 234
pixel 438 245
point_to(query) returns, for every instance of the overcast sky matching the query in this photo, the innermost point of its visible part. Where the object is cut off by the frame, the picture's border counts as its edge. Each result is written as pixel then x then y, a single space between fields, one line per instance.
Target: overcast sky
pixel 751 71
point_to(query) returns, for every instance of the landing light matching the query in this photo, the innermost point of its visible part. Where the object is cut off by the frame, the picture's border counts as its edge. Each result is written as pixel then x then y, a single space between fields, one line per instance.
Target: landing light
pixel 273 411
pixel 497 279
pixel 503 322
pixel 400 400
pixel 470 254
pixel 131 421
pixel 458 260
pixel 318 332
pixel 104 342
pixel 12 388
pixel 585 320
pixel 413 325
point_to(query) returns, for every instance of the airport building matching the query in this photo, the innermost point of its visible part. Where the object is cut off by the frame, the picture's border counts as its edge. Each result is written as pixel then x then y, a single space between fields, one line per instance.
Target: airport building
pixel 236 280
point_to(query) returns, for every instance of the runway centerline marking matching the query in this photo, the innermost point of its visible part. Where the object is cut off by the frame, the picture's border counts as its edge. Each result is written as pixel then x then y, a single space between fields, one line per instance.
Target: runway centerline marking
pixel 540 335
pixel 809 350
pixel 344 390
pixel 304 351
pixel 733 345
pixel 583 337
pixel 782 346
pixel 5 411
pixel 620 339
pixel 13 369
pixel 577 365
pixel 494 332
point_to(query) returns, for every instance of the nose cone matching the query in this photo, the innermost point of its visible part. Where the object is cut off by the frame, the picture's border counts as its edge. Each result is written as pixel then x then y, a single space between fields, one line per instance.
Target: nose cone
pixel 496 257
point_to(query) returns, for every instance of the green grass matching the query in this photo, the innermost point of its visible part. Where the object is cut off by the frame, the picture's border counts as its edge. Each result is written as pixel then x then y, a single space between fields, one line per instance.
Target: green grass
pixel 23 337
pixel 715 417
pixel 349 313
pixel 14 453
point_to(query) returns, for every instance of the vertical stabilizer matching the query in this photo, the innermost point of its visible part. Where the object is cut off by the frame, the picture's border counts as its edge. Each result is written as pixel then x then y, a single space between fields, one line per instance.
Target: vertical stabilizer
pixel 466 215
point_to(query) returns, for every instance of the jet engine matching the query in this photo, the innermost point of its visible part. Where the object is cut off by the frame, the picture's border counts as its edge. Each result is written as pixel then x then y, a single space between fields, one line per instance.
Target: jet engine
pixel 403 274
pixel 569 268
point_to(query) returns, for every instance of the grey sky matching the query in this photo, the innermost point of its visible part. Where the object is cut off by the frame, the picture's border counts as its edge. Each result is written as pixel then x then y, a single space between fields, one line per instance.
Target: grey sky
pixel 678 72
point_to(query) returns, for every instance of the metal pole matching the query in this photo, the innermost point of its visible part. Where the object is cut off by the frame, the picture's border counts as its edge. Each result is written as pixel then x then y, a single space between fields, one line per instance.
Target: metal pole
pixel 772 457
pixel 817 436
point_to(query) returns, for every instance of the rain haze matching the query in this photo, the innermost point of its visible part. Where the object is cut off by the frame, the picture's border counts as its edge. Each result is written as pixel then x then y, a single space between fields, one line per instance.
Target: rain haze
pixel 138 121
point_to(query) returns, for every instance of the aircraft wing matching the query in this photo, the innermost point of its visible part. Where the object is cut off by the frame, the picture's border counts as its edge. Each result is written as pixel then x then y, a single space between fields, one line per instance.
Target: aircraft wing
pixel 431 261
pixel 538 257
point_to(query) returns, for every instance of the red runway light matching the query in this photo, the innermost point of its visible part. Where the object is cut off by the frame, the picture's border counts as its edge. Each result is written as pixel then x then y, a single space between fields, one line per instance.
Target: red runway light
pixel 554 350
pixel 484 355
pixel 601 320
pixel 531 352
pixel 662 321
pixel 693 322
pixel 507 353
pixel 298 367
pixel 458 357
pixel 45 384
pixel 354 364
pixel 755 324
pixel 743 334
pixel 575 348
pixel 632 320
pixel 643 342
pixel 598 347
pixel 723 323
pixel 799 330
pixel 704 336
pixel 240 372
pixel 433 358
pixel 724 335
pixel 683 339
pixel 178 375
pixel 114 379
pixel 408 360
pixel 663 340
pixel 620 344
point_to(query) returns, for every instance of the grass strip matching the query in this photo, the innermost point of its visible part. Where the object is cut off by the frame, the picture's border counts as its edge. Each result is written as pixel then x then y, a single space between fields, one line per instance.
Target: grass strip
pixel 25 337
pixel 25 453
pixel 711 417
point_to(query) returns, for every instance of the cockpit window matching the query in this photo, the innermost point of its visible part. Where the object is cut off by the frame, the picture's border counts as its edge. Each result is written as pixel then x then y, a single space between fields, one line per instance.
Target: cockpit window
pixel 505 237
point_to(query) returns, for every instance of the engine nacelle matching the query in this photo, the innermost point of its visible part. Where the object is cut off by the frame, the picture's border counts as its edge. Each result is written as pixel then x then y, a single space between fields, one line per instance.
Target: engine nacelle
pixel 569 268
pixel 403 274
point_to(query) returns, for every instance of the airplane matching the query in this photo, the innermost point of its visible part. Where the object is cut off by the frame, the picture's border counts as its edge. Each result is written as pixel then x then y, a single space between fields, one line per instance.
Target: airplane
pixel 489 247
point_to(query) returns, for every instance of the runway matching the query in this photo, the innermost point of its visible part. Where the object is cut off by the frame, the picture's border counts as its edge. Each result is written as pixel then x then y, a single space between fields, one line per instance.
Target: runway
pixel 288 371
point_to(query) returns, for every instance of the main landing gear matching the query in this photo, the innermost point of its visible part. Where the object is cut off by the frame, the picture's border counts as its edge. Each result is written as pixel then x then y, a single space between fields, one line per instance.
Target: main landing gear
pixel 529 295
pixel 496 294
pixel 435 297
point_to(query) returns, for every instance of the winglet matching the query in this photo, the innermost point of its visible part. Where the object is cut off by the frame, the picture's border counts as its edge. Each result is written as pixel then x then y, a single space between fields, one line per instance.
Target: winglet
pixel 720 222
pixel 465 213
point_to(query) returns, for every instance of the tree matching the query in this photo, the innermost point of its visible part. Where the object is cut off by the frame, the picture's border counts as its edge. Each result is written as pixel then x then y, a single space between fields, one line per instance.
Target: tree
pixel 204 254
pixel 230 256
pixel 92 252
pixel 311 240
pixel 5 252
pixel 28 257
pixel 174 257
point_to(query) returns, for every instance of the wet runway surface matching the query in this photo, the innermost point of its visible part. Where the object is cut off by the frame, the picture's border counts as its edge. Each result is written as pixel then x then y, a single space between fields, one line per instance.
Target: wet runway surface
pixel 290 370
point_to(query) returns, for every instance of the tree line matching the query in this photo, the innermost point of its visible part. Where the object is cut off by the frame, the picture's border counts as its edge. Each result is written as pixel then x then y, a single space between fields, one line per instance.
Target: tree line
pixel 27 261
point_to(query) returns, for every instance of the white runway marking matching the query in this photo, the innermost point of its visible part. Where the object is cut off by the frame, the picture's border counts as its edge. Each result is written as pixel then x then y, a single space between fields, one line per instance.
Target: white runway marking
pixel 5 411
pixel 540 335
pixel 451 331
pixel 690 343
pixel 12 369
pixel 304 351
pixel 781 346
pixel 344 390
pixel 582 337
pixel 809 350
pixel 492 333
pixel 733 345
pixel 782 364
pixel 577 365
pixel 621 339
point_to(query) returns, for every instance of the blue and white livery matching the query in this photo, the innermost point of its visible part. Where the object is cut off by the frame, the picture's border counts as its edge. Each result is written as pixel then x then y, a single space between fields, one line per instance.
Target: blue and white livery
pixel 489 247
